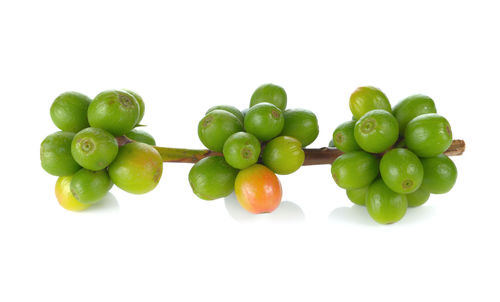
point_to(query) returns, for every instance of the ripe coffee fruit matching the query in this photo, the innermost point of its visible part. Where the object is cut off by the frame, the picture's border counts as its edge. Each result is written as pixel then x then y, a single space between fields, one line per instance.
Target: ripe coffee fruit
pixel 365 99
pixel 69 111
pixel 401 170
pixel 376 131
pixel 137 168
pixel 428 135
pixel 241 150
pixel 384 205
pixel 301 124
pixel 94 148
pixel 115 111
pixel 55 154
pixel 440 174
pixel 269 93
pixel 355 169
pixel 258 189
pixel 283 155
pixel 212 178
pixel 216 127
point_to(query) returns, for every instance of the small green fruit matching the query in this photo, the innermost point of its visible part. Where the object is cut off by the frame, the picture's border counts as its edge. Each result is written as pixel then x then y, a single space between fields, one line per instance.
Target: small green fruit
pixel 269 93
pixel 115 111
pixel 94 148
pixel 365 99
pixel 90 186
pixel 141 136
pixel 216 127
pixel 55 154
pixel 343 137
pixel 212 178
pixel 301 124
pixel 137 168
pixel 140 101
pixel 384 205
pixel 69 111
pixel 410 108
pixel 417 198
pixel 376 131
pixel 265 121
pixel 401 170
pixel 428 135
pixel 355 169
pixel 228 108
pixel 283 155
pixel 241 150
pixel 358 196
pixel 440 174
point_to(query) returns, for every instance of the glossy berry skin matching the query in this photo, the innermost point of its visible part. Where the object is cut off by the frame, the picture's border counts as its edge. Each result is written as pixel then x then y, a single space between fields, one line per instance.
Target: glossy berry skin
pixel 384 205
pixel 269 93
pixel 265 121
pixel 89 187
pixel 355 169
pixel 231 109
pixel 365 99
pixel 418 198
pixel 357 196
pixel 241 150
pixel 137 168
pixel 401 170
pixel 301 124
pixel 141 136
pixel 212 178
pixel 55 154
pixel 69 111
pixel 376 131
pixel 343 137
pixel 410 108
pixel 283 155
pixel 65 197
pixel 115 111
pixel 440 174
pixel 258 189
pixel 428 135
pixel 94 148
pixel 140 101
pixel 216 127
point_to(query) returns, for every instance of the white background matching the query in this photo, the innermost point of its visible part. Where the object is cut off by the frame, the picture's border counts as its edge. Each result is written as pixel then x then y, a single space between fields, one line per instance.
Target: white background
pixel 185 56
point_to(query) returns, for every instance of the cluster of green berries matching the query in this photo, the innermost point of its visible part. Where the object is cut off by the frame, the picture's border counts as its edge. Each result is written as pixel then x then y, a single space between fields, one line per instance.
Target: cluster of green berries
pixel 266 133
pixel 393 157
pixel 85 154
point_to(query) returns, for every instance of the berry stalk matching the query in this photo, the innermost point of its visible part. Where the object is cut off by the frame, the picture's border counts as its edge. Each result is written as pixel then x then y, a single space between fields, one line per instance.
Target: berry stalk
pixel 314 156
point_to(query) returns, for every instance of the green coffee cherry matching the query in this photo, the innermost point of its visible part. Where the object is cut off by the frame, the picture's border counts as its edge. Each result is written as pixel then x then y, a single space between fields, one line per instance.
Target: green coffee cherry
pixel 384 205
pixel 89 187
pixel 216 127
pixel 301 124
pixel 212 178
pixel 417 198
pixel 343 137
pixel 140 101
pixel 376 131
pixel 410 108
pixel 265 121
pixel 115 111
pixel 55 154
pixel 137 168
pixel 69 111
pixel 428 135
pixel 365 99
pixel 141 136
pixel 241 150
pixel 269 93
pixel 94 148
pixel 355 169
pixel 228 108
pixel 283 155
pixel 440 174
pixel 358 196
pixel 401 170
